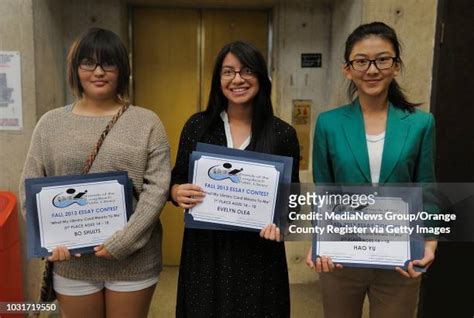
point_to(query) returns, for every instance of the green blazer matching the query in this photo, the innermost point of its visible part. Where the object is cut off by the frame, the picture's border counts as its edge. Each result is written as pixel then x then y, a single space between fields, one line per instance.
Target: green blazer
pixel 340 152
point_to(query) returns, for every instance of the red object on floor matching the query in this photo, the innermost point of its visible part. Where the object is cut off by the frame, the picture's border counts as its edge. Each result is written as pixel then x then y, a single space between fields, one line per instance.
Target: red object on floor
pixel 11 283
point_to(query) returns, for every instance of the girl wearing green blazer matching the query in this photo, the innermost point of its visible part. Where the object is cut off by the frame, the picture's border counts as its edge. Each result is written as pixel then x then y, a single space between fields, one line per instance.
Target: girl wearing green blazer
pixel 378 138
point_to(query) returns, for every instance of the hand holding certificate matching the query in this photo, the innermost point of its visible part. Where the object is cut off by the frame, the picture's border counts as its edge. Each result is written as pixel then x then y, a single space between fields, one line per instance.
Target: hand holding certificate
pixel 375 235
pixel 242 188
pixel 78 212
pixel 238 193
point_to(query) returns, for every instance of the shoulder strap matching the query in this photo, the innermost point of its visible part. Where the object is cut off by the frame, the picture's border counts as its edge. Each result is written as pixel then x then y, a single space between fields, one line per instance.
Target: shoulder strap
pixel 95 151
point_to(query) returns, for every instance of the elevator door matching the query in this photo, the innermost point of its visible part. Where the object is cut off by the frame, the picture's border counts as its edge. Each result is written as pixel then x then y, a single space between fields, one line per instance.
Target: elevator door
pixel 173 57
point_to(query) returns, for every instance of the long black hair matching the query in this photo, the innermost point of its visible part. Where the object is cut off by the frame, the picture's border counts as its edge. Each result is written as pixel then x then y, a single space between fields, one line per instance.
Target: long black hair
pixel 380 29
pixel 262 109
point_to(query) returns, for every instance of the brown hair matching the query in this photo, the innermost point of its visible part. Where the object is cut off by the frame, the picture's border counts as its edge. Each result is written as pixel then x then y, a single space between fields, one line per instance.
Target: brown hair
pixel 103 46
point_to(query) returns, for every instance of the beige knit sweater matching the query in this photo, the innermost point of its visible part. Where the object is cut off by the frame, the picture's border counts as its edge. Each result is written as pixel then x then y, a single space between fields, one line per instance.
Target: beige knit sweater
pixel 137 144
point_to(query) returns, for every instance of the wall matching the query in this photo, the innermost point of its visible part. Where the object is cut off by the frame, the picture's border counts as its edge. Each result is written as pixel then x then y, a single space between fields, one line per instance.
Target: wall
pixel 49 93
pixel 414 21
pixel 49 55
pixel 346 16
pixel 17 35
pixel 300 27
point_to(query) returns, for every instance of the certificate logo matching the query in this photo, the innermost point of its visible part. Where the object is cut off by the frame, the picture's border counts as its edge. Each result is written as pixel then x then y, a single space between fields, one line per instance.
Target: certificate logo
pixel 225 171
pixel 69 197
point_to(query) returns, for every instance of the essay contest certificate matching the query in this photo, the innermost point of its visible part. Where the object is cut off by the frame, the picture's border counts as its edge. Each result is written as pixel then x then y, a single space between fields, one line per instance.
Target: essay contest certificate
pixel 391 248
pixel 80 215
pixel 238 192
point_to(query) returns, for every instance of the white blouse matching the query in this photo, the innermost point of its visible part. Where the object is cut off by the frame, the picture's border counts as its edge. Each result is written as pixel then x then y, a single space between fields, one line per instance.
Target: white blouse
pixel 228 134
pixel 375 147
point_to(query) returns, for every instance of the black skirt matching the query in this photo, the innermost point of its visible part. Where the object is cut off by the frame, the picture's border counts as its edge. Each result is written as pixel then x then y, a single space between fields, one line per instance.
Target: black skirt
pixel 232 274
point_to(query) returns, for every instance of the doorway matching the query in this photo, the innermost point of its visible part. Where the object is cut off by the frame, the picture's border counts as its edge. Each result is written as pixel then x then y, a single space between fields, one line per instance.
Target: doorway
pixel 173 58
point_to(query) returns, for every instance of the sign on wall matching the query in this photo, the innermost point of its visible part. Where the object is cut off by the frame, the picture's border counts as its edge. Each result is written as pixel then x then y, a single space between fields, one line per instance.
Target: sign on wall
pixel 10 91
pixel 311 60
pixel 301 121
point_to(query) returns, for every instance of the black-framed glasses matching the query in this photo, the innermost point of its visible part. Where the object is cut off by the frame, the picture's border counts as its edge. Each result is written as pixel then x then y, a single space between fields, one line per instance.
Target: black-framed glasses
pixel 91 65
pixel 381 63
pixel 229 73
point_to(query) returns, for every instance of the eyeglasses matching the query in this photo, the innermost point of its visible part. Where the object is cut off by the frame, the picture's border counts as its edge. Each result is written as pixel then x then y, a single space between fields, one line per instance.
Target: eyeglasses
pixel 90 65
pixel 228 73
pixel 381 63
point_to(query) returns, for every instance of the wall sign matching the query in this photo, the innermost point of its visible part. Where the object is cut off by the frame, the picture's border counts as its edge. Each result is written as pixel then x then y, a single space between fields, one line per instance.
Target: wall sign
pixel 10 91
pixel 311 60
pixel 301 121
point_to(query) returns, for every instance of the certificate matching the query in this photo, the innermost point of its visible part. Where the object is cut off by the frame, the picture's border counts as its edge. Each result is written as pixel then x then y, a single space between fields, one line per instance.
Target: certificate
pixel 79 212
pixel 376 235
pixel 244 190
pixel 238 192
